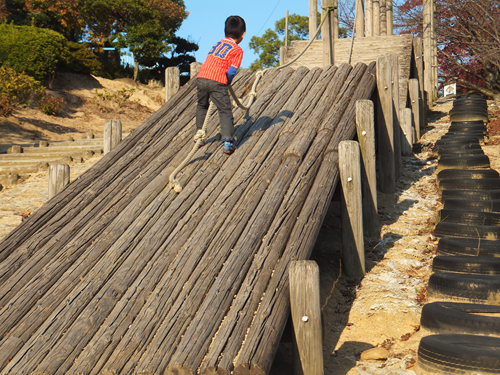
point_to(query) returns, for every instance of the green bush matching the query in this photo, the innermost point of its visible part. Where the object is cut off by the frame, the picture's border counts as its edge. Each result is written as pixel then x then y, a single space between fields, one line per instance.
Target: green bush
pixel 34 51
pixel 83 60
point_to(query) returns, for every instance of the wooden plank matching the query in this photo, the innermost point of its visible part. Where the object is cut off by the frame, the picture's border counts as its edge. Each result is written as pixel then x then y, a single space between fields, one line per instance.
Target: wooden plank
pixel 385 125
pixel 365 126
pixel 353 250
pixel 395 115
pixel 306 315
pixel 408 130
pixel 414 91
pixel 417 48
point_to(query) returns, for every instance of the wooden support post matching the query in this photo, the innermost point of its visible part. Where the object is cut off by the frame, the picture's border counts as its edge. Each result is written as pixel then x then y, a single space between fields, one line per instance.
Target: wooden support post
pixel 58 178
pixel 360 19
pixel 353 250
pixel 365 126
pixel 43 144
pixel 414 89
pixel 306 315
pixel 12 179
pixel 390 17
pixel 15 150
pixel 284 49
pixel 376 17
pixel 313 17
pixel 385 125
pixel 419 61
pixel 407 134
pixel 434 51
pixel 286 29
pixel 327 34
pixel 368 18
pixel 112 134
pixel 395 115
pixel 336 19
pixel 172 81
pixel 428 71
pixel 383 17
pixel 194 68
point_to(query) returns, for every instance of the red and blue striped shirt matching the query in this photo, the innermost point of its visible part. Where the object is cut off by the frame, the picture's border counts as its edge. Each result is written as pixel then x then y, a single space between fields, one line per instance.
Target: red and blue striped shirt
pixel 222 62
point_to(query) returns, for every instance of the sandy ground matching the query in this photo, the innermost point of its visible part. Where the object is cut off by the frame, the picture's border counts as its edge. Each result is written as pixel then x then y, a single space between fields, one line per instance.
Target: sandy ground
pixel 381 310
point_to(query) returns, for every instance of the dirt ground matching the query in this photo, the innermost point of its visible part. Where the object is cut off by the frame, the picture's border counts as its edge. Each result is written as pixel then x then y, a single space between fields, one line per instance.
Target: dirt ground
pixel 382 310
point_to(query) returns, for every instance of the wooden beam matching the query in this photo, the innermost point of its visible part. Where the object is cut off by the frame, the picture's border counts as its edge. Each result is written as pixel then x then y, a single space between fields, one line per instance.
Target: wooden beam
pixel 313 17
pixel 365 126
pixel 327 33
pixel 306 315
pixel 385 125
pixel 353 250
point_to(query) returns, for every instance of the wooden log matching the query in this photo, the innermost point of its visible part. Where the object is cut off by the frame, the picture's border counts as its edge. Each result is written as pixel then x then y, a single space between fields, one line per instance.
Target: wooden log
pixel 112 134
pixel 414 91
pixel 385 125
pixel 365 126
pixel 14 150
pixel 313 18
pixel 283 52
pixel 327 34
pixel 353 250
pixel 390 20
pixel 43 144
pixel 360 19
pixel 256 354
pixel 286 30
pixel 194 68
pixel 190 351
pixel 59 175
pixel 368 18
pixel 383 17
pixel 434 51
pixel 408 126
pixel 427 51
pixel 12 179
pixel 376 17
pixel 306 315
pixel 172 82
pixel 395 115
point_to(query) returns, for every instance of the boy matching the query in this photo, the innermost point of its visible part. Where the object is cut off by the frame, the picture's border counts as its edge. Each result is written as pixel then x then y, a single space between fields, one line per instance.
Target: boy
pixel 216 74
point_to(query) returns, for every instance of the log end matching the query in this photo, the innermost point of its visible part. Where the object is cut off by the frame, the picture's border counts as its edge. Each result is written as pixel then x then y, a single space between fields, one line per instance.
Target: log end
pixel 179 369
pixel 212 370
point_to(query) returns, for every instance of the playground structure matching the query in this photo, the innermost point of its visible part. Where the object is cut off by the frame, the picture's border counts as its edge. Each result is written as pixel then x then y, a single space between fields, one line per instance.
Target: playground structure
pixel 118 274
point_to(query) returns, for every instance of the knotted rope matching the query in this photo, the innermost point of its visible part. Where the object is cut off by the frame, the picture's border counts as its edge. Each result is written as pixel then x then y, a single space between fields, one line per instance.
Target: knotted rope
pixel 200 135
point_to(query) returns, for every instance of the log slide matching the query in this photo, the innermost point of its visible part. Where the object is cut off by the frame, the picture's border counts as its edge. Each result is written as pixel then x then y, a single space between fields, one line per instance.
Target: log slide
pixel 118 274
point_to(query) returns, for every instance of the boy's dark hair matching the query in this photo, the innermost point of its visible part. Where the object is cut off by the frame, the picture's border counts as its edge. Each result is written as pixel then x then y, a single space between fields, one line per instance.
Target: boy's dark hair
pixel 235 27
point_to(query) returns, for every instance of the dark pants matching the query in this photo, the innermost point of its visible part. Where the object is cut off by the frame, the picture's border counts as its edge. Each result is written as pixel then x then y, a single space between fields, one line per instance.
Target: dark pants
pixel 219 95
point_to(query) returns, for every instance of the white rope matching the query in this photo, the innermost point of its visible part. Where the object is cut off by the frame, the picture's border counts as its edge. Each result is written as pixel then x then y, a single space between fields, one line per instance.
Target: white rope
pixel 201 134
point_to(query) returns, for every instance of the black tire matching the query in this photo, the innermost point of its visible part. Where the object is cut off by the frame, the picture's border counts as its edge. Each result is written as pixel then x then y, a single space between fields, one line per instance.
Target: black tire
pixel 468 247
pixel 469 109
pixel 471 174
pixel 468 133
pixel 490 205
pixel 457 141
pixel 466 162
pixel 469 194
pixel 459 318
pixel 460 146
pixel 452 354
pixel 459 153
pixel 469 184
pixel 471 128
pixel 456 138
pixel 467 123
pixel 483 232
pixel 459 287
pixel 468 117
pixel 469 217
pixel 467 264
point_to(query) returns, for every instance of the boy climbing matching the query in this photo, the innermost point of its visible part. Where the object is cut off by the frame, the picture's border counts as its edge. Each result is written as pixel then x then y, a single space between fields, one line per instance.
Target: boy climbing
pixel 216 74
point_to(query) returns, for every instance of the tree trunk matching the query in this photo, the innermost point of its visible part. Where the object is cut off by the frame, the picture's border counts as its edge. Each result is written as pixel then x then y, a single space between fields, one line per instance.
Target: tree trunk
pixel 136 69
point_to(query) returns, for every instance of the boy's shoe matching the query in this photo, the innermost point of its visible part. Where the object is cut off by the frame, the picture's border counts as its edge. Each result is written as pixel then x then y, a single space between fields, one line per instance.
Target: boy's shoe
pixel 227 146
pixel 202 143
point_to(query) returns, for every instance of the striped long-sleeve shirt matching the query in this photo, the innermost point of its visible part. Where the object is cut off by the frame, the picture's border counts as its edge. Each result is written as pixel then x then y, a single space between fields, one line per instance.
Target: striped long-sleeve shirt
pixel 222 62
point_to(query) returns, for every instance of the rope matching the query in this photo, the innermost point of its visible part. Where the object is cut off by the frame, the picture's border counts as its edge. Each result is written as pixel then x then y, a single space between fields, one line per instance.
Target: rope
pixel 201 134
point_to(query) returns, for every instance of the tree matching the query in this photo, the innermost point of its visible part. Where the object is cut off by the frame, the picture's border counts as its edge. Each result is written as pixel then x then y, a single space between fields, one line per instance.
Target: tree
pixel 3 11
pixel 468 41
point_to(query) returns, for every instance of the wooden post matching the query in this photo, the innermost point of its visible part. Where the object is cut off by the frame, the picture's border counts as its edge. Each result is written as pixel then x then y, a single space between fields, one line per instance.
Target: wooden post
pixel 434 51
pixel 306 315
pixel 417 46
pixel 368 18
pixel 327 34
pixel 172 81
pixel 376 17
pixel 194 68
pixel 12 179
pixel 385 125
pixel 353 250
pixel 365 126
pixel 383 17
pixel 428 71
pixel 360 19
pixel 112 134
pixel 58 178
pixel 43 144
pixel 414 89
pixel 395 115
pixel 283 51
pixel 407 131
pixel 390 17
pixel 313 17
pixel 286 29
pixel 335 19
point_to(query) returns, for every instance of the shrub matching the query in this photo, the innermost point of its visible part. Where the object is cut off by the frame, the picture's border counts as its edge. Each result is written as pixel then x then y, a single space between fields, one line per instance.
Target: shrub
pixel 83 60
pixel 34 51
pixel 50 105
pixel 6 107
pixel 21 89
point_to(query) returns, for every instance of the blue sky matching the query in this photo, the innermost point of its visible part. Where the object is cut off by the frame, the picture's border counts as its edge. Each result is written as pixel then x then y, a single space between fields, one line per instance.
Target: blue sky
pixel 205 23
